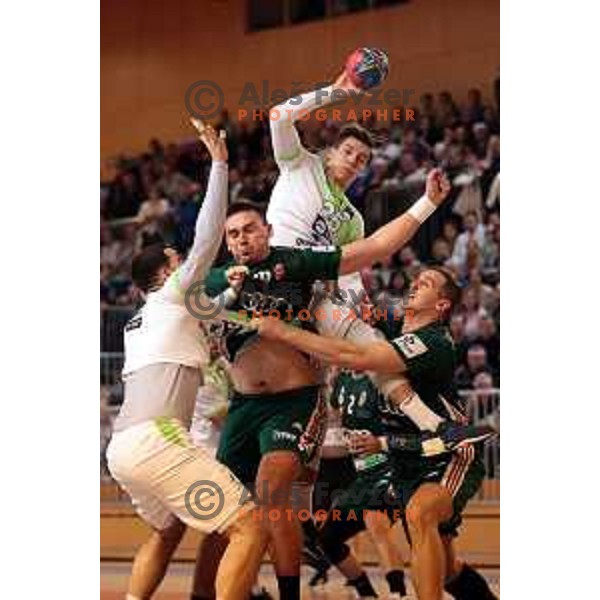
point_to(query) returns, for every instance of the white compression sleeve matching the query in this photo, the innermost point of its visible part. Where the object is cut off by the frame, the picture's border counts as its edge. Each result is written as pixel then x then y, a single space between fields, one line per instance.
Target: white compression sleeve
pixel 287 147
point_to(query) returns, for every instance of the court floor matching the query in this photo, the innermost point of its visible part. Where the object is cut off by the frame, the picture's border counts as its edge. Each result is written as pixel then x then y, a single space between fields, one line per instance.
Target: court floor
pixel 177 584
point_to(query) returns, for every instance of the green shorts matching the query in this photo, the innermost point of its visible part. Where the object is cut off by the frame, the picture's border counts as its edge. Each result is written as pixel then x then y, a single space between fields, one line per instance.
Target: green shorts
pixel 461 474
pixel 261 423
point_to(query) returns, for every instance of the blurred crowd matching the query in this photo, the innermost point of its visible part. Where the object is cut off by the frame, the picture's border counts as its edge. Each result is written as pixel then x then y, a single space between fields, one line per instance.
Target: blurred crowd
pixel 157 195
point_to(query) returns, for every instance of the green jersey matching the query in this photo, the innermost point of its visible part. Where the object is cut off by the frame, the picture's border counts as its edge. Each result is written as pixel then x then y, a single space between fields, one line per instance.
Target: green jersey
pixel 280 285
pixel 360 405
pixel 430 358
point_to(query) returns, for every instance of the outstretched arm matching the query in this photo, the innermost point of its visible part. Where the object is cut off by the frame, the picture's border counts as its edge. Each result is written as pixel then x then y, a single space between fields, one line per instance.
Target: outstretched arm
pixel 211 219
pixel 379 357
pixel 394 235
pixel 287 146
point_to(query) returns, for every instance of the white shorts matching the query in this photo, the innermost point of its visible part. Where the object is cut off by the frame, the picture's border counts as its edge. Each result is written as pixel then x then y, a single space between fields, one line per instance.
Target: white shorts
pixel 157 464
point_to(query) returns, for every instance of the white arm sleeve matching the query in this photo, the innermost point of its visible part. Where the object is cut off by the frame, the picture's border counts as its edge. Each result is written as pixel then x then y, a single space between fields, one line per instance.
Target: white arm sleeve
pixel 287 147
pixel 207 238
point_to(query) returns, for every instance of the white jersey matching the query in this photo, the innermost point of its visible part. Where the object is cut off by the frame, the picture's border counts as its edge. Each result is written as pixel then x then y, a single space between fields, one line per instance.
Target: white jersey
pixel 163 331
pixel 306 209
pixel 165 345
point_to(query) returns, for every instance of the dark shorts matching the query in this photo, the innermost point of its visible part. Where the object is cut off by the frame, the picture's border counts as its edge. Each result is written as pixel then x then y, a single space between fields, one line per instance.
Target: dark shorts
pixel 372 491
pixel 335 475
pixel 461 474
pixel 261 423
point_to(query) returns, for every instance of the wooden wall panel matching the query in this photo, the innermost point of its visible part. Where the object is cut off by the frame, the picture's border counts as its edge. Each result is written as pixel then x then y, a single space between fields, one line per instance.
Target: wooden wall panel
pixel 152 50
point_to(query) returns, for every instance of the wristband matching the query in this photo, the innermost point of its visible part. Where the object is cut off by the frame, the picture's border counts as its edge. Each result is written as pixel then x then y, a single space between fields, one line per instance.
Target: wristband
pixel 422 209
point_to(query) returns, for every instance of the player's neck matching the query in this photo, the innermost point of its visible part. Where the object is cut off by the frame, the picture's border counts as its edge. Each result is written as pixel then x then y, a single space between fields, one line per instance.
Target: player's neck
pixel 417 320
pixel 335 184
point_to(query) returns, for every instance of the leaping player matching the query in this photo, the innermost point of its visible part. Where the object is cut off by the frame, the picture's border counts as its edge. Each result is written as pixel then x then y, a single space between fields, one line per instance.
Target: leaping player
pixel 309 207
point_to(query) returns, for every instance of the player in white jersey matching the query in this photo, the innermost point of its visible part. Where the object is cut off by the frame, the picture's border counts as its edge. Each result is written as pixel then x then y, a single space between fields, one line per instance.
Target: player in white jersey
pixel 151 454
pixel 309 206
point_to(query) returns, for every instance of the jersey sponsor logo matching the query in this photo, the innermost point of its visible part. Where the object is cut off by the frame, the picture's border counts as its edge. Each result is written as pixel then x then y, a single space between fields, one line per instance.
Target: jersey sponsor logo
pixel 323 248
pixel 336 217
pixel 411 345
pixel 320 231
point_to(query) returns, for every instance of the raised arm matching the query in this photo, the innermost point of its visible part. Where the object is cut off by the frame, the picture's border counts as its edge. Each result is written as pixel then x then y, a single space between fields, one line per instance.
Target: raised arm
pixel 390 238
pixel 211 218
pixel 287 147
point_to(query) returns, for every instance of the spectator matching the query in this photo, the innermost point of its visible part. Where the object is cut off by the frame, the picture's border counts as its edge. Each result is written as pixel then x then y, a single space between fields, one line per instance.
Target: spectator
pixel 472 312
pixel 489 339
pixel 153 212
pixel 124 197
pixel 409 261
pixel 457 330
pixel 447 110
pixel 440 251
pixel 468 244
pixel 481 137
pixel 490 253
pixel 477 362
pixel 450 233
pixel 485 293
pixel 474 108
pixel 413 145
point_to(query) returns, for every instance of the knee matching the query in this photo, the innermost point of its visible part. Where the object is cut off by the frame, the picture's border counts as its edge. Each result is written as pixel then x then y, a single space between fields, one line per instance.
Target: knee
pixel 418 518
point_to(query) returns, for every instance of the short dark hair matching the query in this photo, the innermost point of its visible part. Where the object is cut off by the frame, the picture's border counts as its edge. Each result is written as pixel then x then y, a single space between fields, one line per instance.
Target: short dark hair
pixel 147 263
pixel 356 131
pixel 244 205
pixel 450 290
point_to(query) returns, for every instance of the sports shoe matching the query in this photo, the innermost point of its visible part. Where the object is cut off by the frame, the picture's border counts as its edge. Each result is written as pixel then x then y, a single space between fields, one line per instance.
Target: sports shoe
pixel 450 436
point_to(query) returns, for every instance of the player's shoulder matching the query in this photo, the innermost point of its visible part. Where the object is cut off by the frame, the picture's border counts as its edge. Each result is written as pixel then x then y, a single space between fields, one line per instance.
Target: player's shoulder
pixel 432 337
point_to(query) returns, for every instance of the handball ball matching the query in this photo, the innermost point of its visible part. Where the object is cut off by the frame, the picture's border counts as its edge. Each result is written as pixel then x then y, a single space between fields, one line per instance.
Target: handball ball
pixel 367 67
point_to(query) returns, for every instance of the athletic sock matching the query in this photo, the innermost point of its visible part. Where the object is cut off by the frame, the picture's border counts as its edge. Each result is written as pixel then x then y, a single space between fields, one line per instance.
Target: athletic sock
pixel 363 586
pixel 469 585
pixel 289 587
pixel 395 580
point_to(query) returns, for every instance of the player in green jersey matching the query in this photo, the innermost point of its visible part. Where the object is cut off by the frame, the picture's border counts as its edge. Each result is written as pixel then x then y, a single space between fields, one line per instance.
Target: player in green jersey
pixel 276 416
pixel 432 491
pixel 370 496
